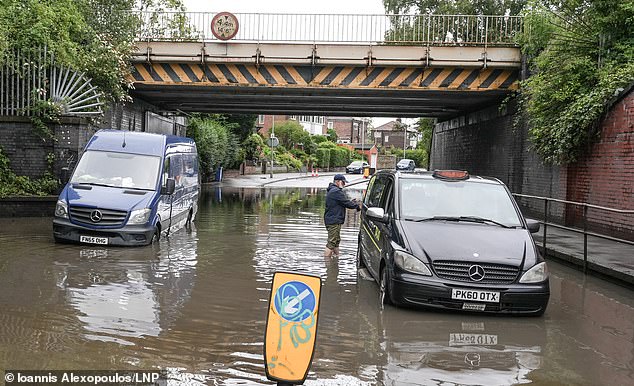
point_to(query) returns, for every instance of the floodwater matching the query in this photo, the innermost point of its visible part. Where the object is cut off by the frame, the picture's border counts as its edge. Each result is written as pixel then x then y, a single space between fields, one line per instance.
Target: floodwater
pixel 196 305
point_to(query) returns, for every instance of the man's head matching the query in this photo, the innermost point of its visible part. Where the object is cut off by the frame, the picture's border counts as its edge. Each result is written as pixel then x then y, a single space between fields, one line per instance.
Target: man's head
pixel 340 180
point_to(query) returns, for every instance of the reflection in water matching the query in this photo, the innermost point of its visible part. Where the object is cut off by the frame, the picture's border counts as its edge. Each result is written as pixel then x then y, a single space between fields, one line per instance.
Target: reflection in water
pixel 133 293
pixel 196 305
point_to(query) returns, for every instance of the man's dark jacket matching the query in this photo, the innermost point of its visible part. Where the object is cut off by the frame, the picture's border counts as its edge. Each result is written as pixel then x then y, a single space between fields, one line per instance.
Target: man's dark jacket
pixel 336 204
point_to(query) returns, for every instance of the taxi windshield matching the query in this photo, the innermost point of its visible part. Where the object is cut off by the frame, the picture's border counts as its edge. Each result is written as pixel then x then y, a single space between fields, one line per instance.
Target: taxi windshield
pixel 428 199
pixel 122 170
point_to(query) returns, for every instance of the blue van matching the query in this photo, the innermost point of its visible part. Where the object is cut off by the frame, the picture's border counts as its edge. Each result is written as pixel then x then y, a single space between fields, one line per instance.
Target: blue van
pixel 129 188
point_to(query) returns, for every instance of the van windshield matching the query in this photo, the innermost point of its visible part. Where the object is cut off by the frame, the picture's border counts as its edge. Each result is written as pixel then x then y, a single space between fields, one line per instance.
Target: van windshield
pixel 428 199
pixel 120 170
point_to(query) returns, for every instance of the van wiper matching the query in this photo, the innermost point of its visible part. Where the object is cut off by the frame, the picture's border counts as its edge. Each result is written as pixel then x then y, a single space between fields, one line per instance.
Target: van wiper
pixel 94 184
pixel 479 220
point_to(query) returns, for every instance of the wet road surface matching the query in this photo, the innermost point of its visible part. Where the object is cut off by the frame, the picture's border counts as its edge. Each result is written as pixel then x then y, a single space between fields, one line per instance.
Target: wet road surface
pixel 195 304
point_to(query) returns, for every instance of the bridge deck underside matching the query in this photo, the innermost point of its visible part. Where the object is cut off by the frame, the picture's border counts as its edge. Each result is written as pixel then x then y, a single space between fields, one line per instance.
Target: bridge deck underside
pixel 331 90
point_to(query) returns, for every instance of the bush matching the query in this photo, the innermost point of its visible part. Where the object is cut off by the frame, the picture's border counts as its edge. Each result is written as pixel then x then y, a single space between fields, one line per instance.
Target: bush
pixel 13 185
pixel 217 145
pixel 288 160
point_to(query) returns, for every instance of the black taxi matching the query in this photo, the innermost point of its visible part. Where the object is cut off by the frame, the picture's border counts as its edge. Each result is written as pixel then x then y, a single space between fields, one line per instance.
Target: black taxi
pixel 448 240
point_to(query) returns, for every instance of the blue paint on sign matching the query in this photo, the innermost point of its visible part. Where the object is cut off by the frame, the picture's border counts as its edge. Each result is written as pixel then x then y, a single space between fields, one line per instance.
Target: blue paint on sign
pixel 295 301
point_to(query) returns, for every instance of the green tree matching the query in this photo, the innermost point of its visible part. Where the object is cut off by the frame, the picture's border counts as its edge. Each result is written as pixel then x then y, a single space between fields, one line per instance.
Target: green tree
pixel 292 134
pixel 582 56
pixel 91 36
pixel 455 7
pixel 217 145
pixel 244 124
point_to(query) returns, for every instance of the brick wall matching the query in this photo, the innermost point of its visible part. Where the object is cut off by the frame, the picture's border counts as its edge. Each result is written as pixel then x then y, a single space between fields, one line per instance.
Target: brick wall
pixel 26 150
pixel 604 175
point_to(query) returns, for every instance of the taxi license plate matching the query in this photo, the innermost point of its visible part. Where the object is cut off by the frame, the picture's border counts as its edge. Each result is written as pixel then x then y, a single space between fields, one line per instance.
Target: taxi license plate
pixel 475 295
pixel 93 240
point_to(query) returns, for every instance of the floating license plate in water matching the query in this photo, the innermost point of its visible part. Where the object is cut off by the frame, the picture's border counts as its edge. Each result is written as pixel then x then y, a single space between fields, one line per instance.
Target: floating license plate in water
pixel 93 240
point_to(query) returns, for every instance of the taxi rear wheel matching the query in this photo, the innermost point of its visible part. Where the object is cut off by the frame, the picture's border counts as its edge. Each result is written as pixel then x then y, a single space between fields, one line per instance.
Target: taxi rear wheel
pixel 384 289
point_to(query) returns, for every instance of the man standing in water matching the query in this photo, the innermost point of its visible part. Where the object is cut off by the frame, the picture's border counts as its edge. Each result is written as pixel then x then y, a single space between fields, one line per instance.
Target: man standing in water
pixel 336 204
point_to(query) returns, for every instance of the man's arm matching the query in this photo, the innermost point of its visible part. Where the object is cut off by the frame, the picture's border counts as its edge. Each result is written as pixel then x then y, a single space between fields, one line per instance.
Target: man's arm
pixel 343 200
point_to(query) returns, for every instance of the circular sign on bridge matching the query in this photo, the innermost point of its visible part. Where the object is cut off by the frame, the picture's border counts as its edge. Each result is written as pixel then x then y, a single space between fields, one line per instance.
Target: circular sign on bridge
pixel 224 25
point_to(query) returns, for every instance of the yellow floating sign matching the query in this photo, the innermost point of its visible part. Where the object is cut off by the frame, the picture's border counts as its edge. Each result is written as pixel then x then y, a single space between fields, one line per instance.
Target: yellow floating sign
pixel 291 326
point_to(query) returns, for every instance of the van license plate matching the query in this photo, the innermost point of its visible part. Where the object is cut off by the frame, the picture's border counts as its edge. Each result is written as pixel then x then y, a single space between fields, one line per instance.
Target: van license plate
pixel 93 240
pixel 475 295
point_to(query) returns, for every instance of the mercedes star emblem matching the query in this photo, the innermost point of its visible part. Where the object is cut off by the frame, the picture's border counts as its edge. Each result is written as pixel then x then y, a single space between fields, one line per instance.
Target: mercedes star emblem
pixel 96 216
pixel 476 273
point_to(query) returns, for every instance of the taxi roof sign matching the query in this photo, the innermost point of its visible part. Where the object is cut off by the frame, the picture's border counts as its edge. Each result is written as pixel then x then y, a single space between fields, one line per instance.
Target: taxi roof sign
pixel 291 326
pixel 451 174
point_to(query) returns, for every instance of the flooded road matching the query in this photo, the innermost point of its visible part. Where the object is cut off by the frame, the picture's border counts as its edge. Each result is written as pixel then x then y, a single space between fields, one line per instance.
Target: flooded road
pixel 196 304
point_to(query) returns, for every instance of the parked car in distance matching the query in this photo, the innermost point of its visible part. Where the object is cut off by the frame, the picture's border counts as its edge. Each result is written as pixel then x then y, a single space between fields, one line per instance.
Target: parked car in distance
pixel 129 188
pixel 448 240
pixel 406 164
pixel 356 167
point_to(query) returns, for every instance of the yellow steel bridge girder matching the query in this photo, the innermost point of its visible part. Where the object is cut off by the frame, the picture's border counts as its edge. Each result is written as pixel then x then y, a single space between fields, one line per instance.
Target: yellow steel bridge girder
pixel 326 76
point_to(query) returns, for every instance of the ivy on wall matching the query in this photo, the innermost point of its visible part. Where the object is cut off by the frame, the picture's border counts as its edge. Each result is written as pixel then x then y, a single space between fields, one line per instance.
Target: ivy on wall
pixel 581 57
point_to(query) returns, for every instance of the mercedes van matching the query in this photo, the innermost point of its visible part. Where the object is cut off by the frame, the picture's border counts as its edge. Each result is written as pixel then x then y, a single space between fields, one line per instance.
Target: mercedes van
pixel 129 188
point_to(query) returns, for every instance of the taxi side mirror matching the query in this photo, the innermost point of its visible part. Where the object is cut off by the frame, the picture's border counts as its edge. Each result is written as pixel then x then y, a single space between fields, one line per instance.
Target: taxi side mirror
pixel 377 214
pixel 532 225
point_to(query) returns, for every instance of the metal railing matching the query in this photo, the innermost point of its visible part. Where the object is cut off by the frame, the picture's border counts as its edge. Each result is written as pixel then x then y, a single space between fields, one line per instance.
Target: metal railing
pixel 23 77
pixel 332 28
pixel 585 206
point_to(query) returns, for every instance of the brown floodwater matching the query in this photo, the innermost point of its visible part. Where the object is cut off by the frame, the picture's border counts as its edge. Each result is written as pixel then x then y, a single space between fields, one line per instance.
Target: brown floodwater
pixel 196 305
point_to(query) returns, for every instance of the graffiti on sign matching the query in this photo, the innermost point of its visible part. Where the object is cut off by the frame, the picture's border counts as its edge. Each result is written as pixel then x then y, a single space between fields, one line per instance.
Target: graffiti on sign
pixel 291 326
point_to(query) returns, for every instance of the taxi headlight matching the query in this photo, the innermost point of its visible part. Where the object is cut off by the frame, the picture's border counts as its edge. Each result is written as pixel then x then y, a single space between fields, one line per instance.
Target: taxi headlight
pixel 536 274
pixel 139 216
pixel 61 209
pixel 410 263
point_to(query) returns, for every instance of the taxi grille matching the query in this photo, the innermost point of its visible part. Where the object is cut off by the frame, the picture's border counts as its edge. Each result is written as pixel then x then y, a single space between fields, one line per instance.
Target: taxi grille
pixel 459 271
pixel 109 217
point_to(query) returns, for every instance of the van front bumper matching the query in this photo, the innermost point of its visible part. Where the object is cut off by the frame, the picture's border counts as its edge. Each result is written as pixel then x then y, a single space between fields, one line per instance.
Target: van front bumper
pixel 414 290
pixel 129 235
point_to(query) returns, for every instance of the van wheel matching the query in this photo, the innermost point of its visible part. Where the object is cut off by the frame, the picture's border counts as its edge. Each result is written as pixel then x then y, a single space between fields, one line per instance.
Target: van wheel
pixel 156 236
pixel 384 289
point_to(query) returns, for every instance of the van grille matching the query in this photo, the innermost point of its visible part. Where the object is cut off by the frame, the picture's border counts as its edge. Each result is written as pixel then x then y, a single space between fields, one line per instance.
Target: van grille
pixel 459 271
pixel 109 217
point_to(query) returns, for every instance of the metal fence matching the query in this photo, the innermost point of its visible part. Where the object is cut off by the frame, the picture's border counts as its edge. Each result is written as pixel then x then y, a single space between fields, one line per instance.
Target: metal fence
pixel 23 76
pixel 28 77
pixel 584 231
pixel 333 28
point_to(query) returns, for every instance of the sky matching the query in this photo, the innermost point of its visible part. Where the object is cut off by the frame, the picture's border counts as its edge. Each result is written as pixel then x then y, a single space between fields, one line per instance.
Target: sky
pixel 370 7
pixel 286 6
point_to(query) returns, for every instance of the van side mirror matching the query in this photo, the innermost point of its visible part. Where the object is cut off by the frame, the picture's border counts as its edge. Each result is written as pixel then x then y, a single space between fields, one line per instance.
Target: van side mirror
pixel 65 175
pixel 377 214
pixel 533 225
pixel 170 186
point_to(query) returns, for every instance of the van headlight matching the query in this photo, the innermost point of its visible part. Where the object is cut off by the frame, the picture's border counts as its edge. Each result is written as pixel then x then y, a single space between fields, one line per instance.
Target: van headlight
pixel 61 209
pixel 139 216
pixel 410 263
pixel 536 274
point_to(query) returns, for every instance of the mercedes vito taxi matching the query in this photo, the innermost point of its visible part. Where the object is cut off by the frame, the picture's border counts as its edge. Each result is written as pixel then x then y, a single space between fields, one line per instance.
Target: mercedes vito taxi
pixel 448 240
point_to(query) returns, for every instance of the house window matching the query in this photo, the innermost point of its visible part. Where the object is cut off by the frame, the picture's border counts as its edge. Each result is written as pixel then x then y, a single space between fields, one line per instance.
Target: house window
pixel 331 124
pixel 261 119
pixel 293 117
pixel 387 139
